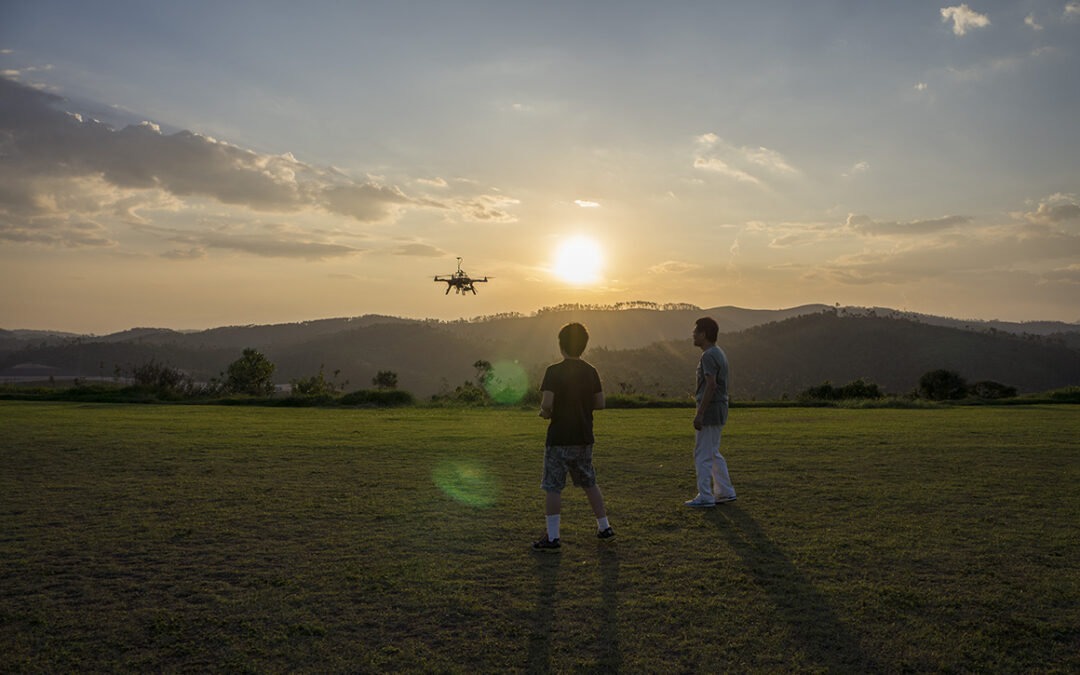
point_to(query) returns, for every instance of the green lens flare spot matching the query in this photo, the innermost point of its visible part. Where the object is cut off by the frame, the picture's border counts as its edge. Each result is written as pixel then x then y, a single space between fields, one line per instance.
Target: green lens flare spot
pixel 506 382
pixel 466 482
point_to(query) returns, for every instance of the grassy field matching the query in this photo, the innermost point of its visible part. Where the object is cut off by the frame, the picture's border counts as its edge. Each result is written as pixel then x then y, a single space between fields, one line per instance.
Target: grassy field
pixel 193 538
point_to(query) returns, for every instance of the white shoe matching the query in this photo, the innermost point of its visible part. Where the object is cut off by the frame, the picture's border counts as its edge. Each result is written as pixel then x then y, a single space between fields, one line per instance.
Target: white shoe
pixel 700 502
pixel 721 500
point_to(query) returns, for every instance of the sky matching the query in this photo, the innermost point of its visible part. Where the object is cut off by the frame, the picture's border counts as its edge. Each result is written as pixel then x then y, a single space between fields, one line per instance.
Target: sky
pixel 198 164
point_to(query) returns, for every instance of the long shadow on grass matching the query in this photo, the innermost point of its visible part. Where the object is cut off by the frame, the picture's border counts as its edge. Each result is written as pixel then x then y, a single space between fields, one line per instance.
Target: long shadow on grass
pixel 539 657
pixel 609 658
pixel 820 634
pixel 539 653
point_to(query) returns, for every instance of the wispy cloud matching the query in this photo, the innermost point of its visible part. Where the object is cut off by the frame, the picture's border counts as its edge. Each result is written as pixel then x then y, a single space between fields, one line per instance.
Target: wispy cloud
pixel 858 167
pixel 587 204
pixel 748 164
pixel 719 166
pixel 486 209
pixel 1072 11
pixel 418 250
pixel 434 182
pixel 866 226
pixel 1030 21
pixel 673 267
pixel 258 239
pixel 963 19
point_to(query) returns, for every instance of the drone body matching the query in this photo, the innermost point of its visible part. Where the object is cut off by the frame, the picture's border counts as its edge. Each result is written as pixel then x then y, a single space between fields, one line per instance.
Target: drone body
pixel 459 281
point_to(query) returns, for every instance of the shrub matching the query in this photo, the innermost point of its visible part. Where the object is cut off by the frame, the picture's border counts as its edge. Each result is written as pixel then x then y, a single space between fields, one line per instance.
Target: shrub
pixel 942 385
pixel 381 399
pixel 467 394
pixel 316 385
pixel 856 389
pixel 988 389
pixel 162 379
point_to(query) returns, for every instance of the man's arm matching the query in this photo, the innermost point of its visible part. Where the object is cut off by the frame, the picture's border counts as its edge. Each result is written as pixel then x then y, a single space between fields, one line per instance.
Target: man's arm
pixel 706 399
pixel 598 402
pixel 546 404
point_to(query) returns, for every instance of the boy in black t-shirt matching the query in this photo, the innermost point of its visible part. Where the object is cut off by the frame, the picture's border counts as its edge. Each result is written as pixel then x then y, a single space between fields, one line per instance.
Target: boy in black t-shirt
pixel 571 392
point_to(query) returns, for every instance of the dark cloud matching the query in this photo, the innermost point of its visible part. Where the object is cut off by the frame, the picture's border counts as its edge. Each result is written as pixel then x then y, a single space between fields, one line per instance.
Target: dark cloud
pixel 39 140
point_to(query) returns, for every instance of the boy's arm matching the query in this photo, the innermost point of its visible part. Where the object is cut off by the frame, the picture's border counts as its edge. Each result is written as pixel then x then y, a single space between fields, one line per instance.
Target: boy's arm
pixel 546 404
pixel 598 402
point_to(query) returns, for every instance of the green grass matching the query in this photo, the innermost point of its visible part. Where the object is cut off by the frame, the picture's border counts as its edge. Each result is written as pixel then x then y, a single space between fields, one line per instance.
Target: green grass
pixel 200 538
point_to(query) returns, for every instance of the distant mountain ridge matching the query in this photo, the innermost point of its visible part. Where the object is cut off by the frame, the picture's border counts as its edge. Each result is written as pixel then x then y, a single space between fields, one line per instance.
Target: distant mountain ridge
pixel 638 348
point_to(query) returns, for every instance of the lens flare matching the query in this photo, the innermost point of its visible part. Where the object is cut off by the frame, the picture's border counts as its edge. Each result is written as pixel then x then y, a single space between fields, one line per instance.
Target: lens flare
pixel 506 382
pixel 466 482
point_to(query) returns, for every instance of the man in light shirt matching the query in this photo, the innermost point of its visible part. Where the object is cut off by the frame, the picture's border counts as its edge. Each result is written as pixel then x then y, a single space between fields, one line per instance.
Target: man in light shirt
pixel 713 483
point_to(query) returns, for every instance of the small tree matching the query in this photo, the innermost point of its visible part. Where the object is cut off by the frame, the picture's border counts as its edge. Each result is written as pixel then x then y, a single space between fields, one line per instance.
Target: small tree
pixel 251 374
pixel 483 369
pixel 942 385
pixel 385 379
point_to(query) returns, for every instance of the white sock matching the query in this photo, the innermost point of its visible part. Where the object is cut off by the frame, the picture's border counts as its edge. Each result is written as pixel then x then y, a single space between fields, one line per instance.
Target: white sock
pixel 602 524
pixel 553 527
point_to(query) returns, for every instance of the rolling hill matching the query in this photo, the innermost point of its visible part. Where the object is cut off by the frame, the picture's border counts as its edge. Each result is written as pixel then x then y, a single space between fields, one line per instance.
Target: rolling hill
pixel 639 349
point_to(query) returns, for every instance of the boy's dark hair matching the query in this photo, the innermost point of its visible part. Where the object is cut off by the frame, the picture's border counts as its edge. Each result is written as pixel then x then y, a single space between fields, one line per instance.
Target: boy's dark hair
pixel 709 326
pixel 572 339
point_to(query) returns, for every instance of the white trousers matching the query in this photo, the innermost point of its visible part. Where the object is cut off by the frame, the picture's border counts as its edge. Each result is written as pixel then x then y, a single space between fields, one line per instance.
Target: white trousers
pixel 712 474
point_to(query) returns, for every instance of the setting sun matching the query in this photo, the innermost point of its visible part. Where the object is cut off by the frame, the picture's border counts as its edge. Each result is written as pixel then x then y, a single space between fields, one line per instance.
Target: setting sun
pixel 578 261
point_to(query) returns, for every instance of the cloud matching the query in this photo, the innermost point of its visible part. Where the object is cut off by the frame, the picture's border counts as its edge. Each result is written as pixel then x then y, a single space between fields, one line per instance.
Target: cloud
pixel 1072 11
pixel 1054 210
pixel 60 168
pixel 986 251
pixel 921 86
pixel 963 18
pixel 673 267
pixel 858 167
pixel 1069 274
pixel 719 166
pixel 1030 21
pixel 56 232
pixel 419 250
pixel 194 253
pixel 747 164
pixel 368 202
pixel 435 182
pixel 587 204
pixel 267 241
pixel 486 209
pixel 866 226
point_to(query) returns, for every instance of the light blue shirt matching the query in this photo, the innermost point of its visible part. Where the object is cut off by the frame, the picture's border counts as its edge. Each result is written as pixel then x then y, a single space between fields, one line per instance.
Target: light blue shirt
pixel 714 362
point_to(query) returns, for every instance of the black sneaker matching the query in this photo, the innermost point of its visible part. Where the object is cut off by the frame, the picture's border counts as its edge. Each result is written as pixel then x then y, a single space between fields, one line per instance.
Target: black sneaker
pixel 545 545
pixel 606 536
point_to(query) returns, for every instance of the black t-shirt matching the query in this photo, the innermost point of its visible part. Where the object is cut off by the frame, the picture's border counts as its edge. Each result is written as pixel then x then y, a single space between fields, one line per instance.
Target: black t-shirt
pixel 575 384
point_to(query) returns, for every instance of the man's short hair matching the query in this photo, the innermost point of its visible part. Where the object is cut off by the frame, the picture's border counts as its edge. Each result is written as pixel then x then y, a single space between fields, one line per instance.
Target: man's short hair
pixel 708 325
pixel 572 339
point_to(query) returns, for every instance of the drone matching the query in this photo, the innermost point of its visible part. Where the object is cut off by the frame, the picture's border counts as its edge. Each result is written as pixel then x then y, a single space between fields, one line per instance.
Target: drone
pixel 459 281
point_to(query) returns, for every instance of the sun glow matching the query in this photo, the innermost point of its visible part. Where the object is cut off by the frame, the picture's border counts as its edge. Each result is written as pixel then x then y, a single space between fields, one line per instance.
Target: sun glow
pixel 578 260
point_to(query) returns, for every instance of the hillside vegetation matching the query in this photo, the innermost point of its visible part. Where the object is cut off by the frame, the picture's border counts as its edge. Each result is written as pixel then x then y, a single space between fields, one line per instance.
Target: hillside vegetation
pixel 638 350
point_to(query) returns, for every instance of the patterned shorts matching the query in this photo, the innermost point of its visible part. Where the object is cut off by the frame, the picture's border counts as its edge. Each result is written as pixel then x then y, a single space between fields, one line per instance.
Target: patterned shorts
pixel 558 459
